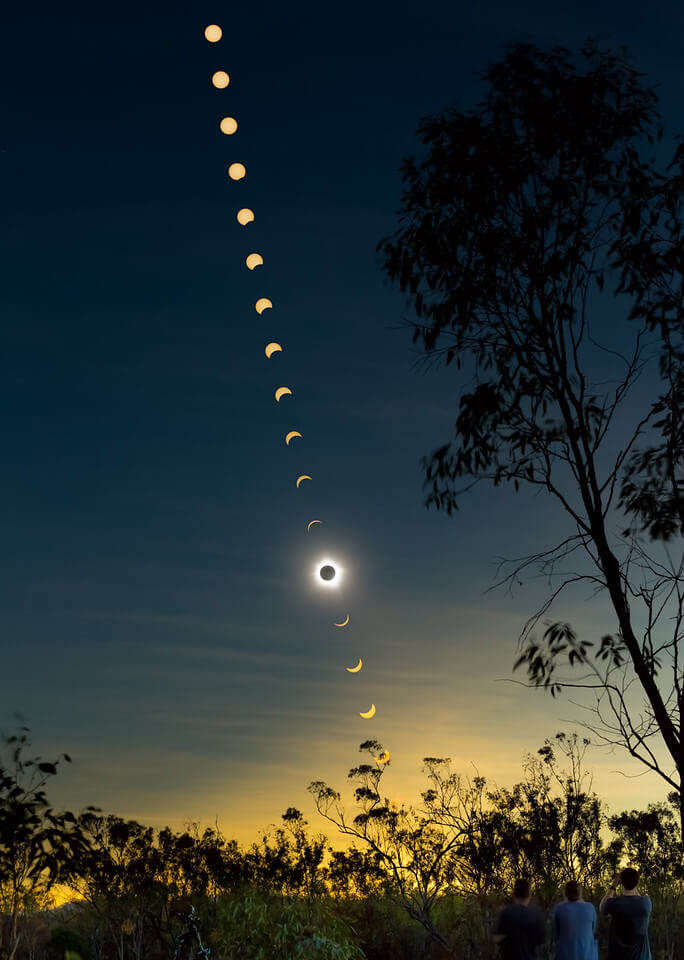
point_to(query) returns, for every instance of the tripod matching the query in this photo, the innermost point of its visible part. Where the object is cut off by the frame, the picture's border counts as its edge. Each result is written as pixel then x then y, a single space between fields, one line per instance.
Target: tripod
pixel 188 945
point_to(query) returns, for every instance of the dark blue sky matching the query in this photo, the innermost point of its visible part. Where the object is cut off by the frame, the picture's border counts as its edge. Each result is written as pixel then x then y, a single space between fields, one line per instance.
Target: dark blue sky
pixel 159 619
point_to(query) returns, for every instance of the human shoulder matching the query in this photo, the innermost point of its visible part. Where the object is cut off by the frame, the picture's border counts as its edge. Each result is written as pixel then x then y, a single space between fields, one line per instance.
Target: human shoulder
pixel 503 918
pixel 608 906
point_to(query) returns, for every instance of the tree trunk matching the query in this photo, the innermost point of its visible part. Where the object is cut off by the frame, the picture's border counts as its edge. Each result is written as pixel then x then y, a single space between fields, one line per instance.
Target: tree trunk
pixel 611 571
pixel 14 947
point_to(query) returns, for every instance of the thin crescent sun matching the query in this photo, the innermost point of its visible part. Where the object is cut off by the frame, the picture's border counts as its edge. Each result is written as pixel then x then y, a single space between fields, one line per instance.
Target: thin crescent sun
pixel 369 713
pixel 272 348
pixel 280 392
pixel 304 476
pixel 355 669
pixel 344 622
pixel 311 523
pixel 291 435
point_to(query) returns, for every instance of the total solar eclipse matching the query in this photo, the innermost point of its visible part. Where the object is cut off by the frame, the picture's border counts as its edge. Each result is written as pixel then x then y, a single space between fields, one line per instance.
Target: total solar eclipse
pixel 328 573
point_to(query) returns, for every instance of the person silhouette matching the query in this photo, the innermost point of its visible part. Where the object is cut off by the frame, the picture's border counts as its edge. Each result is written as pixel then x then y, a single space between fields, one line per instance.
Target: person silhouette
pixel 629 915
pixel 519 930
pixel 574 926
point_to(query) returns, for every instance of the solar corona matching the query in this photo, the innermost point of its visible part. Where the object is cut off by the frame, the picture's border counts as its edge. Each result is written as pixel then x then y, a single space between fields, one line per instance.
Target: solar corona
pixel 328 573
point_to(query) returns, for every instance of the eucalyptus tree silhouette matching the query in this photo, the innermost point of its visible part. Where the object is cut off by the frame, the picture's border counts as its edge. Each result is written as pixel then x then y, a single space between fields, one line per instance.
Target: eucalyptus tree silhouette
pixel 503 229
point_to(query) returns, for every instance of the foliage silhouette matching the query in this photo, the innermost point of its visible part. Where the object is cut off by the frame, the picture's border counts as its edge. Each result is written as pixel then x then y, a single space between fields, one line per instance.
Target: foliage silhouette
pixel 420 880
pixel 503 228
pixel 38 846
pixel 652 839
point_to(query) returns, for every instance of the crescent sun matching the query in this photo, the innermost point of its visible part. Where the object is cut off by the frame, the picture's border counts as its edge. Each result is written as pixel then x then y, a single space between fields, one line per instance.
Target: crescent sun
pixel 369 713
pixel 272 348
pixel 290 435
pixel 263 303
pixel 344 622
pixel 254 260
pixel 311 523
pixel 280 392
pixel 304 476
pixel 355 669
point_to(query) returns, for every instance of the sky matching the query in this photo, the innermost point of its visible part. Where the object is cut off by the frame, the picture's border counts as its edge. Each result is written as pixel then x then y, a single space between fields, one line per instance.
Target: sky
pixel 161 620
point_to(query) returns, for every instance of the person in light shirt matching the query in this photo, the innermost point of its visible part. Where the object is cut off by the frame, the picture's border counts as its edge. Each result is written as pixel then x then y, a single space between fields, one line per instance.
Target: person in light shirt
pixel 574 926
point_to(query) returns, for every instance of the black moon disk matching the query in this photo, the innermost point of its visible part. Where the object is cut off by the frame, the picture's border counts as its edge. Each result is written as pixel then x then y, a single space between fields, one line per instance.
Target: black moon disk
pixel 327 572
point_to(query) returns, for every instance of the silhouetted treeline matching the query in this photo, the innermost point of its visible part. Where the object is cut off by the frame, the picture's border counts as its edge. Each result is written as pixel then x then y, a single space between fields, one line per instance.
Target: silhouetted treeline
pixel 290 894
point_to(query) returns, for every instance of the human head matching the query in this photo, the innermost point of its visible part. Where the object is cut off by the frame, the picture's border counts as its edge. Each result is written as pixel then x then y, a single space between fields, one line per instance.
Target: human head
pixel 629 878
pixel 522 888
pixel 572 890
